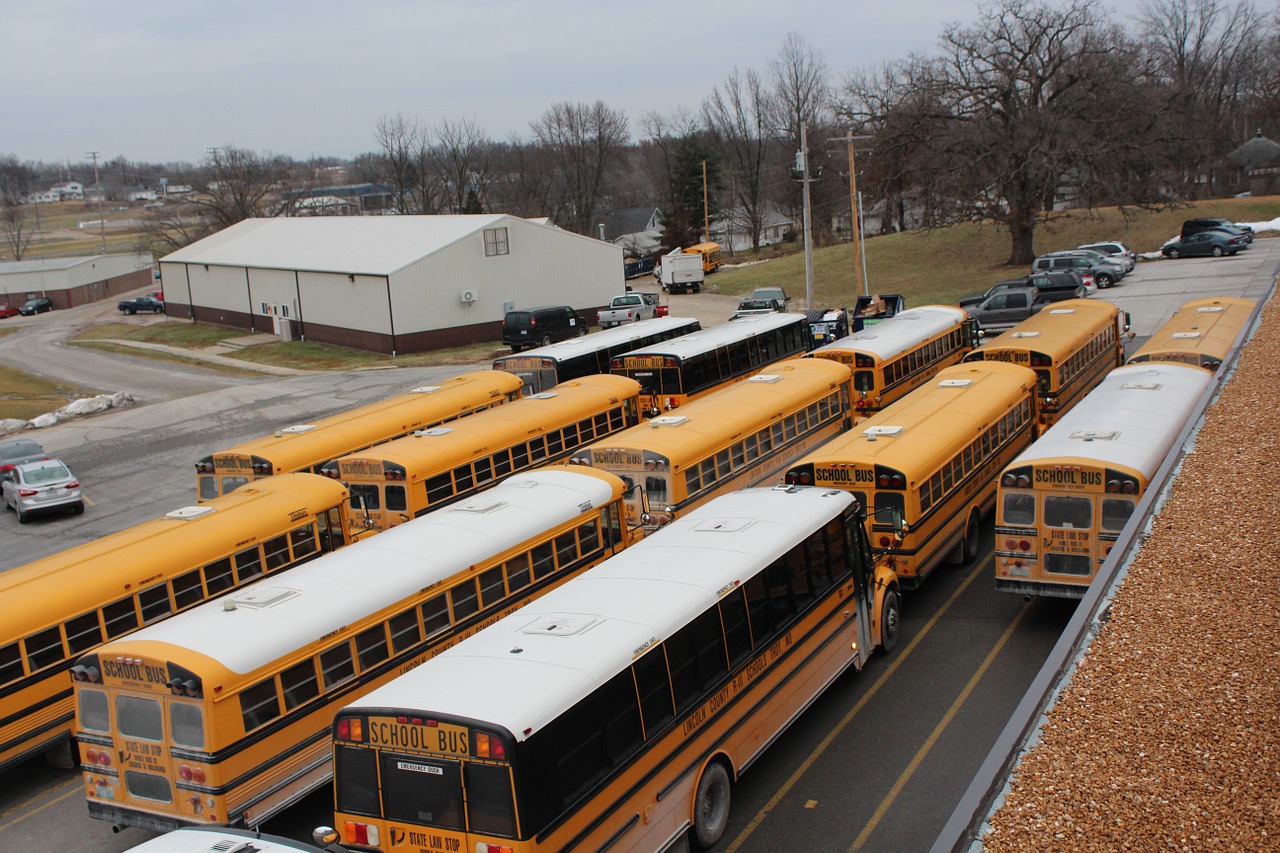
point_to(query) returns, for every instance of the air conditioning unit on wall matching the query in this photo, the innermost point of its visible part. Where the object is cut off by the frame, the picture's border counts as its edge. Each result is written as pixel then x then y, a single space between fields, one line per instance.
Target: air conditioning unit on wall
pixel 467 297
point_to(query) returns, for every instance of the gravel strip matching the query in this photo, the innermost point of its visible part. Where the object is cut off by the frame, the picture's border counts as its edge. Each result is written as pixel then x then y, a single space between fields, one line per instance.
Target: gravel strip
pixel 1167 736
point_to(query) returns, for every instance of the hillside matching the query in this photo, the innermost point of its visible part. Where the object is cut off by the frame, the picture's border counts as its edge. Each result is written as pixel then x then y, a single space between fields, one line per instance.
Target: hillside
pixel 941 265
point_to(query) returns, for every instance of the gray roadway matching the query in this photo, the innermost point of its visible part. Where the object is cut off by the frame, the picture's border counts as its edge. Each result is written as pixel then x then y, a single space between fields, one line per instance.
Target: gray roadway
pixel 878 763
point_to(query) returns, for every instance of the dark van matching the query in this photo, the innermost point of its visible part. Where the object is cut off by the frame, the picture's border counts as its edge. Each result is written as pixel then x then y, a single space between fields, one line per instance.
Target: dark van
pixel 539 327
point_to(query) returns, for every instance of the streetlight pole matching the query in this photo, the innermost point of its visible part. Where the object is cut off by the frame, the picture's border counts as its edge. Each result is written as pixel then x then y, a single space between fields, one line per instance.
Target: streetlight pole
pixel 808 230
pixel 97 190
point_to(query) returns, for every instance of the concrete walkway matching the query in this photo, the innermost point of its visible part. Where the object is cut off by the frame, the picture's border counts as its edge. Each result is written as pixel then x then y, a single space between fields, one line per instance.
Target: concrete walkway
pixel 218 353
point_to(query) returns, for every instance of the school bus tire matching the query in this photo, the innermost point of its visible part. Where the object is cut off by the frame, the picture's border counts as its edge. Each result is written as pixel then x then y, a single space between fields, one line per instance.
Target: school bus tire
pixel 890 619
pixel 711 805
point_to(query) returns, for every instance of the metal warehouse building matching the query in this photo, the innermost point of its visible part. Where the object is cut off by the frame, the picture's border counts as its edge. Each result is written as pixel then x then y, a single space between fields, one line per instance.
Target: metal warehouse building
pixel 69 282
pixel 391 284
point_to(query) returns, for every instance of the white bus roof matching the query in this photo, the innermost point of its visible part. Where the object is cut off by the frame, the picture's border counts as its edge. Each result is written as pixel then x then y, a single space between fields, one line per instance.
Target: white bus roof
pixel 305 603
pixel 705 340
pixel 576 637
pixel 1130 419
pixel 219 839
pixel 574 347
pixel 899 333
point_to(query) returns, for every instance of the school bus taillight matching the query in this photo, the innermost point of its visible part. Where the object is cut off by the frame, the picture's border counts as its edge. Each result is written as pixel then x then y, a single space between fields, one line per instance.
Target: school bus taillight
pixel 365 834
pixel 1017 544
pixel 191 774
pixel 801 475
pixel 350 728
pixel 1019 478
pixel 1120 483
pixel 488 746
pixel 887 478
pixel 483 847
pixel 100 757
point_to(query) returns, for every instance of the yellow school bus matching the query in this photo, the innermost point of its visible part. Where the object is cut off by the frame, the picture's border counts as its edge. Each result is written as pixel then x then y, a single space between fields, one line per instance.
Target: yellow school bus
pixel 1070 345
pixel 59 607
pixel 402 479
pixel 220 714
pixel 743 435
pixel 617 711
pixel 927 466
pixel 307 447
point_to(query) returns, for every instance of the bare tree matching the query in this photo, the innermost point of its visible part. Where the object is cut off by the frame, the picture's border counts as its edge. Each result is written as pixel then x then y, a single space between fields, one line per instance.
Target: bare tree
pixel 802 95
pixel 1211 57
pixel 235 184
pixel 1030 103
pixel 677 152
pixel 585 141
pixel 462 157
pixel 737 116
pixel 524 184
pixel 16 181
pixel 403 144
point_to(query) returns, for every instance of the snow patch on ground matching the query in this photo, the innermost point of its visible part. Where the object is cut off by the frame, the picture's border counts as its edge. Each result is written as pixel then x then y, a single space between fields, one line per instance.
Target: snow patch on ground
pixel 75 409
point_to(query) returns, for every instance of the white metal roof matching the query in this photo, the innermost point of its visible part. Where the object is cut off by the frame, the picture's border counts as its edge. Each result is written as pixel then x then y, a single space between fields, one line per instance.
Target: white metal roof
pixel 573 347
pixel 576 637
pixel 899 333
pixel 1130 419
pixel 736 329
pixel 344 586
pixel 368 245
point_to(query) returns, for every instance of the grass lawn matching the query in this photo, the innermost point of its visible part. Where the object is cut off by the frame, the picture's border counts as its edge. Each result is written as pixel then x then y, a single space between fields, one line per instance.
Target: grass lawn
pixel 174 333
pixel 25 396
pixel 940 266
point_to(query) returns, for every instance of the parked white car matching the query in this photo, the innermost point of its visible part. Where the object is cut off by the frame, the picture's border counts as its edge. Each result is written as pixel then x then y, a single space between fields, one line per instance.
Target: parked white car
pixel 39 487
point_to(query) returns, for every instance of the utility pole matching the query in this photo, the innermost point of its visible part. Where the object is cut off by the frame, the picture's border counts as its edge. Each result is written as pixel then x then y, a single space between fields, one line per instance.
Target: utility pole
pixel 706 210
pixel 97 190
pixel 855 205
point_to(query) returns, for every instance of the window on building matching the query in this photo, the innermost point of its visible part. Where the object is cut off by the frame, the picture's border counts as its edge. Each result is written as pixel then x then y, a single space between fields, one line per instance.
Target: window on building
pixel 495 242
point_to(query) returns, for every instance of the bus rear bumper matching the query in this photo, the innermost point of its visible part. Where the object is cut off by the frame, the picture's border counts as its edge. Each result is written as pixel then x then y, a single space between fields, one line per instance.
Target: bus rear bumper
pixel 119 818
pixel 1042 588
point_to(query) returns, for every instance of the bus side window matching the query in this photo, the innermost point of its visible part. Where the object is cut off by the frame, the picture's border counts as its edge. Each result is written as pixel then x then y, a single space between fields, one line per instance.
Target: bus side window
pixel 737 632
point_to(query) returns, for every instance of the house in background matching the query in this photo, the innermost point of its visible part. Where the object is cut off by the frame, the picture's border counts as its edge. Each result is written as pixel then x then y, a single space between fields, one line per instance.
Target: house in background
pixel 1253 168
pixel 638 230
pixel 732 230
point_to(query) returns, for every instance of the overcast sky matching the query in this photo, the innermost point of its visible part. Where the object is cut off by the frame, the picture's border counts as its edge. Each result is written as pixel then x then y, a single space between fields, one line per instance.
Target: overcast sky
pixel 161 82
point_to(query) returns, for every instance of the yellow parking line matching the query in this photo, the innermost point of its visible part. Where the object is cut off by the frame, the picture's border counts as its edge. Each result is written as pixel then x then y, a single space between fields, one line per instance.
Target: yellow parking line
pixel 848 718
pixel 937 732
pixel 74 786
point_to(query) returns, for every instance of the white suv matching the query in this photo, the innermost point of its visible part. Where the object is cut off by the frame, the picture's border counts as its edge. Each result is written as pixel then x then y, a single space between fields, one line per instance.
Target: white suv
pixel 1116 250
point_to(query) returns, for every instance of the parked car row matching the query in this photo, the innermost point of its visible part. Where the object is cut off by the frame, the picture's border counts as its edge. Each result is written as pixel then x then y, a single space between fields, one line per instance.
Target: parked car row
pixel 1208 237
pixel 1095 267
pixel 33 483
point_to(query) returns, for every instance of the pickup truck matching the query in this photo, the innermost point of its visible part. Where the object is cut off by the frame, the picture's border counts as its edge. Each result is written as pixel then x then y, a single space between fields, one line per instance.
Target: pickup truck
pixel 142 303
pixel 629 308
pixel 870 310
pixel 765 299
pixel 1007 308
